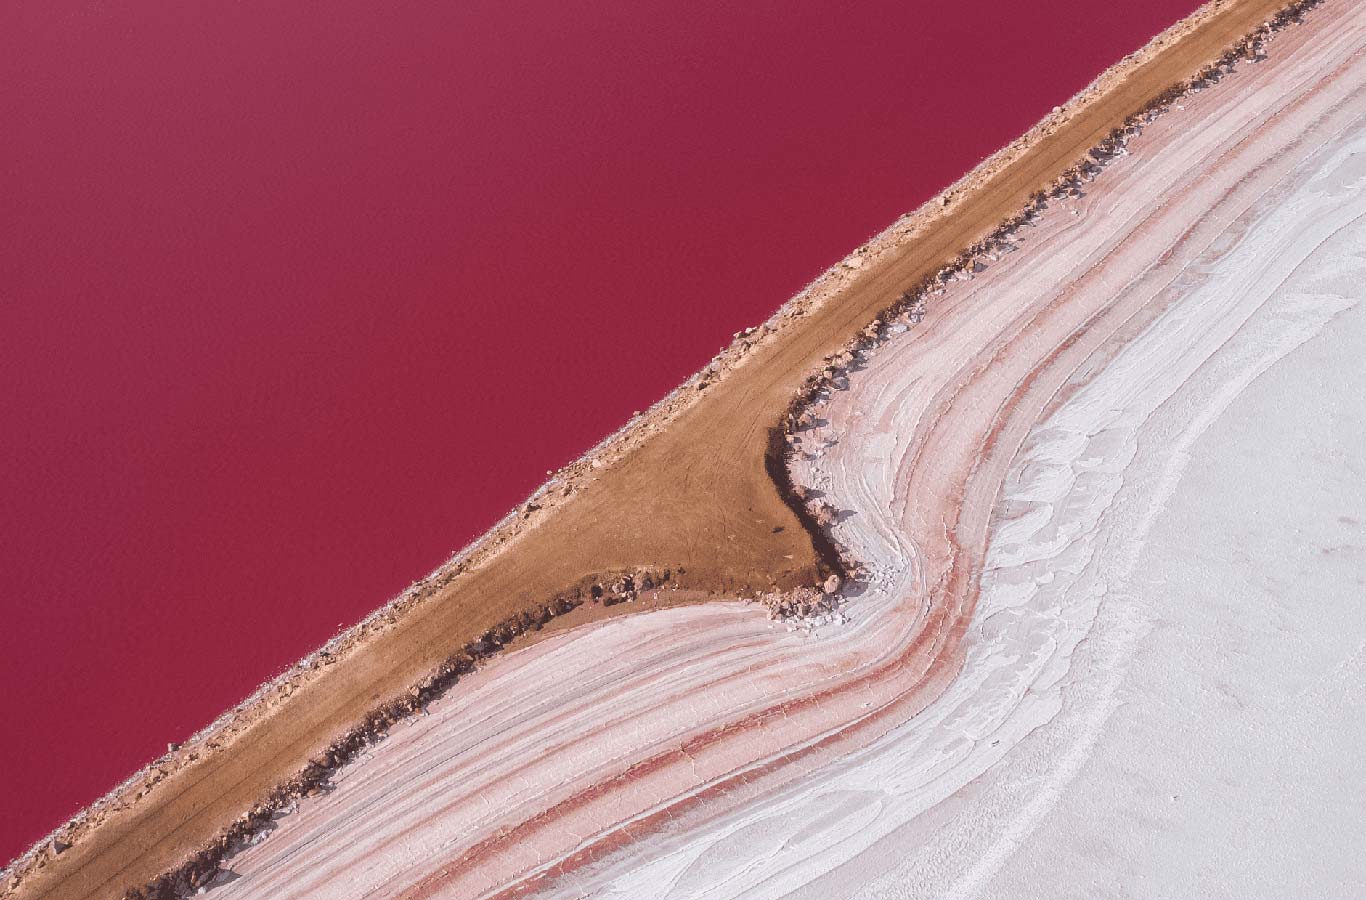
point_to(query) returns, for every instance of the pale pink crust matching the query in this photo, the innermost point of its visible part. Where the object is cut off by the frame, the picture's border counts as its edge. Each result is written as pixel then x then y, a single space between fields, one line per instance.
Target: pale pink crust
pixel 707 708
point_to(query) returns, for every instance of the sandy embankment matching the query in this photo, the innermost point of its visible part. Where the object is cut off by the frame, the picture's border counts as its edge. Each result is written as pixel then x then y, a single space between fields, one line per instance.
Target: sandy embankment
pixel 1029 428
pixel 684 488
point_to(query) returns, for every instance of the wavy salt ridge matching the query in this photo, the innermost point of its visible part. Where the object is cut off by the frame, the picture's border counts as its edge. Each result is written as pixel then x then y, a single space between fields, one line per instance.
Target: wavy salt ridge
pixel 630 716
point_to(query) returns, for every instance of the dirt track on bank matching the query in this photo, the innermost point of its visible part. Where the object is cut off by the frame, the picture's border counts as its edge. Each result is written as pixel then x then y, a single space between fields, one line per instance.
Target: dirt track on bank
pixel 683 488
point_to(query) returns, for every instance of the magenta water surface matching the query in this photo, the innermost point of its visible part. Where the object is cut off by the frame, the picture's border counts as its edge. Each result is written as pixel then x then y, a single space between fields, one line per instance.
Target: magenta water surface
pixel 296 298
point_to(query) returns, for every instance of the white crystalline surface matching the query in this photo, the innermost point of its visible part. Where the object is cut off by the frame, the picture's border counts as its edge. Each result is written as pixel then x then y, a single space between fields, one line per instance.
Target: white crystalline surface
pixel 1111 496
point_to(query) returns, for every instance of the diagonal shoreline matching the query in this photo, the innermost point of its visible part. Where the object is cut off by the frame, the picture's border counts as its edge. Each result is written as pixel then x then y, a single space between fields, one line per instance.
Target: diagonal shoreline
pixel 589 518
pixel 623 754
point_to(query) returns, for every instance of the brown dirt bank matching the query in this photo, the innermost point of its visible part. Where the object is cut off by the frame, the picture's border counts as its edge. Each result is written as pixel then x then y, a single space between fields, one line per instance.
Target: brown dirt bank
pixel 683 494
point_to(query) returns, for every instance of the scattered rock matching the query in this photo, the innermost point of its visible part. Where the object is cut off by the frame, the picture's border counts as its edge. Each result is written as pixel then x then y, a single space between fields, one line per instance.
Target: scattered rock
pixel 832 584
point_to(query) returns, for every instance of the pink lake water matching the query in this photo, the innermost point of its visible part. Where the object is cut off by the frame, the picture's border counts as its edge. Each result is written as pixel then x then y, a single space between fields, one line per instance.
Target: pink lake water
pixel 297 299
